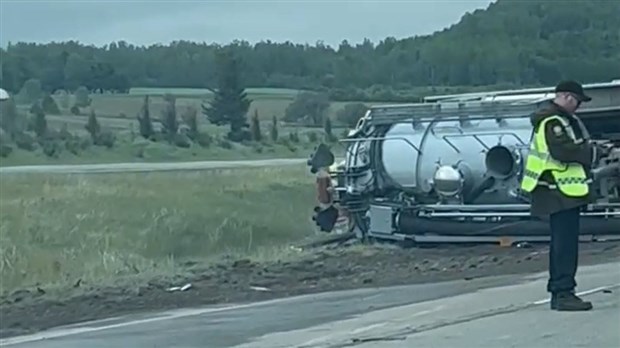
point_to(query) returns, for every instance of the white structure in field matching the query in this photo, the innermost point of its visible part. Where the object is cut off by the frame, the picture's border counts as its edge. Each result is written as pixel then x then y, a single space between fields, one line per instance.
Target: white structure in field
pixel 4 95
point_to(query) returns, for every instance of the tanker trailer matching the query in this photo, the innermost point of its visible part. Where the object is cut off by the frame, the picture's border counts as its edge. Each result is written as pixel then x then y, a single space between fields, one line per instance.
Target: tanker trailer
pixel 450 170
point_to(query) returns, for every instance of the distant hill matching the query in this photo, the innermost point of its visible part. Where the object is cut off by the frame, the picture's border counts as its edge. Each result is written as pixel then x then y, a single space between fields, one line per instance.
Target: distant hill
pixel 509 43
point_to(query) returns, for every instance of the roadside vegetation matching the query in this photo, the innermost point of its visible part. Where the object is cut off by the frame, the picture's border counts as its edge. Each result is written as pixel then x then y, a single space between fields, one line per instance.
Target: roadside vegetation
pixel 57 230
pixel 163 128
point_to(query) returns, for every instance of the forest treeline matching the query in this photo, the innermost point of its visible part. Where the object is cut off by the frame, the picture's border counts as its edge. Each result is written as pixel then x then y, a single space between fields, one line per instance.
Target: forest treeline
pixel 511 43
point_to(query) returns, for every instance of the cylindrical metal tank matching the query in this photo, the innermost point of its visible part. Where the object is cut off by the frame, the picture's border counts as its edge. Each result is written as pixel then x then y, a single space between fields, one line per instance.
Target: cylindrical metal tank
pixel 464 145
pixel 426 168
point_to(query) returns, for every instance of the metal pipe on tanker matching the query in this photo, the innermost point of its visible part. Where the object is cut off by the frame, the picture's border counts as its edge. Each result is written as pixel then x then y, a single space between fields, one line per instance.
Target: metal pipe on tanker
pixel 502 162
pixel 608 171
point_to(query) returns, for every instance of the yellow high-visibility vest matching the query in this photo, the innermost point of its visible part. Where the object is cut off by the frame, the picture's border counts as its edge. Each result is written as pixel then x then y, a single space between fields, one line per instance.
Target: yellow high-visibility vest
pixel 570 178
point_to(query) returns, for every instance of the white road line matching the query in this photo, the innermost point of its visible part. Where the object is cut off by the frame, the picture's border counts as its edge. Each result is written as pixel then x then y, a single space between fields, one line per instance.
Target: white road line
pixel 369 327
pixel 582 293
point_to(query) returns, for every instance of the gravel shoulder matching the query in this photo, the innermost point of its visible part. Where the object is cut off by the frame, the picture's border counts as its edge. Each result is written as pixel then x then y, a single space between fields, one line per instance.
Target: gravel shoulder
pixel 321 269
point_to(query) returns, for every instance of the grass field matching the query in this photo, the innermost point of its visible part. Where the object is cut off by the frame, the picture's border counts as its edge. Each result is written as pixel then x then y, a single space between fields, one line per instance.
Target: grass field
pixel 142 151
pixel 117 112
pixel 268 101
pixel 55 230
pixel 254 92
pixel 132 148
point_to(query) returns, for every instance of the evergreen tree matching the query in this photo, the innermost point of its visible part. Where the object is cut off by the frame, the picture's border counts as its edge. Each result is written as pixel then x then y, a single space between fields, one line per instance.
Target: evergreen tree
pixel 170 124
pixel 230 103
pixel 92 126
pixel 274 129
pixel 255 127
pixel 9 117
pixel 144 119
pixel 40 122
pixel 49 105
pixel 190 118
pixel 327 126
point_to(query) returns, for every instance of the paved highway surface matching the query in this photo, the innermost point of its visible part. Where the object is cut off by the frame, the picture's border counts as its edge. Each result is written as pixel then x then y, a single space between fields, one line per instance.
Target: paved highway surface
pixel 147 167
pixel 492 312
pixel 533 327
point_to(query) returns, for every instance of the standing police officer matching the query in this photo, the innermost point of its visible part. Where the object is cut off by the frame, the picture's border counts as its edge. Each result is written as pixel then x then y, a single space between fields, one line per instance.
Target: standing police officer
pixel 557 177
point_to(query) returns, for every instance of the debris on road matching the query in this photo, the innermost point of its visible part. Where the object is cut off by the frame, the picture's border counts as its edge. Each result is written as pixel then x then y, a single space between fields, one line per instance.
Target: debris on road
pixel 524 245
pixel 180 288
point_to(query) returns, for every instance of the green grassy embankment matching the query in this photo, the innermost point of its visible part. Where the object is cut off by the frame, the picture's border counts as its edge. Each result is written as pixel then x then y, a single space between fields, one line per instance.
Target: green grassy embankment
pixel 55 230
pixel 126 150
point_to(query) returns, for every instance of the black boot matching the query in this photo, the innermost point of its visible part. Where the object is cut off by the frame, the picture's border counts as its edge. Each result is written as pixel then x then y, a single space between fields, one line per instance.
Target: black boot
pixel 568 301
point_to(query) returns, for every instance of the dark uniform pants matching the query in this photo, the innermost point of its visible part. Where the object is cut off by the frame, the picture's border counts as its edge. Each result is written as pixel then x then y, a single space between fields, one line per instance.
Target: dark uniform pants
pixel 564 250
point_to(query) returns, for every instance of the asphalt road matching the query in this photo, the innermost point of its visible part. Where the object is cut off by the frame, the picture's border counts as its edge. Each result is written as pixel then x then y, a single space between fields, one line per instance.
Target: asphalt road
pixel 494 312
pixel 147 167
pixel 534 327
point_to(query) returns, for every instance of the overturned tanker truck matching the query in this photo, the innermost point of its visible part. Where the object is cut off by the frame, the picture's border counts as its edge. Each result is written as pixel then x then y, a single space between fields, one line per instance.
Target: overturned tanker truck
pixel 448 169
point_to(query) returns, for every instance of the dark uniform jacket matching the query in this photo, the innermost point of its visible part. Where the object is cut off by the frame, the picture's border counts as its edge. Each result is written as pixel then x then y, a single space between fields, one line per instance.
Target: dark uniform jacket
pixel 546 201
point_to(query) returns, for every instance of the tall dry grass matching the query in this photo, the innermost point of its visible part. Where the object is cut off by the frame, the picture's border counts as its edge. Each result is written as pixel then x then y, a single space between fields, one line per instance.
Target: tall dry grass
pixel 55 229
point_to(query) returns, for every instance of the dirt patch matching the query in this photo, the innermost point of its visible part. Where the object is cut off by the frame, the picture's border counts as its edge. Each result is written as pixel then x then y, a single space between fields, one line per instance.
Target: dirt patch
pixel 325 269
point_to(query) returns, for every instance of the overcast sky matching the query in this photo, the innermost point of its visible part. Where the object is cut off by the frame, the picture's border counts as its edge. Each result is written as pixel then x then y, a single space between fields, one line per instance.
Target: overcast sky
pixel 146 22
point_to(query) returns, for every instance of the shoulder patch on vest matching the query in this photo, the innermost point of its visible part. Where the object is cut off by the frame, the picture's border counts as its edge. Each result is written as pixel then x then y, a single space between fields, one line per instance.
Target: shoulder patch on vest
pixel 557 130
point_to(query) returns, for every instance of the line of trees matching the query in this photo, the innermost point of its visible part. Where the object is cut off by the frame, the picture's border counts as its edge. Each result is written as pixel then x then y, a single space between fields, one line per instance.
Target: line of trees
pixel 229 107
pixel 511 43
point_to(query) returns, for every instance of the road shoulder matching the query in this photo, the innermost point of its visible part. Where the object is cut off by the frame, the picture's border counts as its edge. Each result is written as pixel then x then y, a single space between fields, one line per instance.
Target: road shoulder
pixel 242 281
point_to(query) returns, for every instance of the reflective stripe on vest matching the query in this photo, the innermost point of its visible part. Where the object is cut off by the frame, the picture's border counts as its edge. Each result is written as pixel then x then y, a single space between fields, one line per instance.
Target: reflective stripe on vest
pixel 570 178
